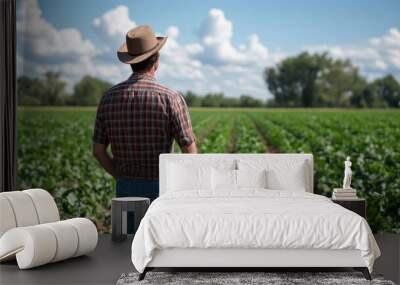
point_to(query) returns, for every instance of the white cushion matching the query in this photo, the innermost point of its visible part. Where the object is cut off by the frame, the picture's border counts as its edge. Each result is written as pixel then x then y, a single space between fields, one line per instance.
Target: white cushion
pixel 223 179
pixel 45 205
pixel 40 244
pixel 251 178
pixel 26 208
pixel 87 233
pixel 7 218
pixel 34 244
pixel 23 208
pixel 246 161
pixel 293 180
pixel 67 239
pixel 281 174
pixel 188 177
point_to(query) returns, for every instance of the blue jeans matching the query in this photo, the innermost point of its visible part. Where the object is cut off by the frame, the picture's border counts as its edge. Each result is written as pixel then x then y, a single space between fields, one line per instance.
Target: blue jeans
pixel 136 188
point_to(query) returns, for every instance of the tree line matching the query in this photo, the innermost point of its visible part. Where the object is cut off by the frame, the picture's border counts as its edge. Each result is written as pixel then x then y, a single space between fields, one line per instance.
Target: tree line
pixel 219 100
pixel 317 80
pixel 305 80
pixel 50 90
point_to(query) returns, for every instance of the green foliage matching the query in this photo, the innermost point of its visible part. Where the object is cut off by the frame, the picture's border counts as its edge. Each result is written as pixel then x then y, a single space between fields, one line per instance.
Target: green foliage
pixel 54 153
pixel 247 101
pixel 387 89
pixel 247 140
pixel 316 80
pixel 192 99
pixel 89 91
pixel 293 81
pixel 212 100
pixel 370 138
pixel 48 90
pixel 338 81
pixel 219 100
pixel 217 139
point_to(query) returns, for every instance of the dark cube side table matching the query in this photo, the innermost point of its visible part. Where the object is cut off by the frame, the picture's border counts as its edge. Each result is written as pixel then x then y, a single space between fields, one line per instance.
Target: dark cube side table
pixel 119 209
pixel 358 205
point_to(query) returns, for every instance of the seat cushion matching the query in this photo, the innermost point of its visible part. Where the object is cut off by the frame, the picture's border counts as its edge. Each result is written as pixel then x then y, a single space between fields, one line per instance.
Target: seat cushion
pixel 87 235
pixel 67 239
pixel 40 244
pixel 45 205
pixel 7 220
pixel 23 208
pixel 32 246
pixel 26 208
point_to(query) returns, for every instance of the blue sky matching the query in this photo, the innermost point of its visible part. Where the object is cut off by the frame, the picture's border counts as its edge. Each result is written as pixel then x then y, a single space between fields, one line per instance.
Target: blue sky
pixel 211 43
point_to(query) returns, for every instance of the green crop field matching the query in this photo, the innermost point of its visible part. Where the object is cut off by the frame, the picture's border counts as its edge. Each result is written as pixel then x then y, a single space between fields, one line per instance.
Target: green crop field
pixel 54 153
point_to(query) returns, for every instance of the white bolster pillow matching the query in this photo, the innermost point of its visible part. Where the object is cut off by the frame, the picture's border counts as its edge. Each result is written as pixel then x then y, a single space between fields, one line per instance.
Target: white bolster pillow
pixel 23 209
pixel 40 244
pixel 7 218
pixel 67 240
pixel 87 235
pixel 45 205
pixel 33 246
pixel 26 208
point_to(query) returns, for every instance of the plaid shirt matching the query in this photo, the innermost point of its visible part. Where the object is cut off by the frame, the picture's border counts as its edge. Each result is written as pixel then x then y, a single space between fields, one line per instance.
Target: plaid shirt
pixel 140 118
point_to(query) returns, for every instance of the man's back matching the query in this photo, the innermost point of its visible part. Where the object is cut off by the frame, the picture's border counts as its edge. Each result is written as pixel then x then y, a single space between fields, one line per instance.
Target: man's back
pixel 140 118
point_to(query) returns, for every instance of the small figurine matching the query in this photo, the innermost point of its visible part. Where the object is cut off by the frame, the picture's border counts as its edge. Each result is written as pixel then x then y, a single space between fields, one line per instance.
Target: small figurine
pixel 347 174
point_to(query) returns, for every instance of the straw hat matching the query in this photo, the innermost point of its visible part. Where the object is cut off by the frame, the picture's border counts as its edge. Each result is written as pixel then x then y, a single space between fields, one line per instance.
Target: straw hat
pixel 141 43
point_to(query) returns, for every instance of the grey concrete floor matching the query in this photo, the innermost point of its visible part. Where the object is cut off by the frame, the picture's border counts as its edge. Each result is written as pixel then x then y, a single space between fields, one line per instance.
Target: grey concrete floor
pixel 389 263
pixel 111 259
pixel 102 266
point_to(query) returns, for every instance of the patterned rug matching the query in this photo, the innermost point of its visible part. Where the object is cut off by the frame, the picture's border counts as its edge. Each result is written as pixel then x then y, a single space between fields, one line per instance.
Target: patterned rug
pixel 244 278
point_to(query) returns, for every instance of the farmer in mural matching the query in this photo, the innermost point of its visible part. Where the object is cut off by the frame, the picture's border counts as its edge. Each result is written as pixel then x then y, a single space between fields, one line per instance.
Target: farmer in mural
pixel 140 118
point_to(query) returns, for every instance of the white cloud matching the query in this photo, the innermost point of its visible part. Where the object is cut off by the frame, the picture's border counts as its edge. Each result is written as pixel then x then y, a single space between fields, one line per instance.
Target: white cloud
pixel 42 47
pixel 172 32
pixel 378 56
pixel 113 25
pixel 183 68
pixel 214 63
pixel 41 41
pixel 390 39
pixel 216 38
pixel 177 63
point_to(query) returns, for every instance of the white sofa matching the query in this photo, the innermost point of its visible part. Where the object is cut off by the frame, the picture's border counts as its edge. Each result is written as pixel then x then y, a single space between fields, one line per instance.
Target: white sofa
pixel 31 231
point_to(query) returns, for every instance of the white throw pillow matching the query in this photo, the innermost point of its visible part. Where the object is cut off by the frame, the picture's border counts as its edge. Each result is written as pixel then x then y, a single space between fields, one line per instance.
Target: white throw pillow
pixel 281 174
pixel 251 178
pixel 223 179
pixel 293 180
pixel 184 178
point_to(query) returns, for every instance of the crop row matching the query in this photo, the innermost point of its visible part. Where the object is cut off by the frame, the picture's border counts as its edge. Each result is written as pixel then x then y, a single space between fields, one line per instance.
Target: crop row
pixel 372 145
pixel 54 153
